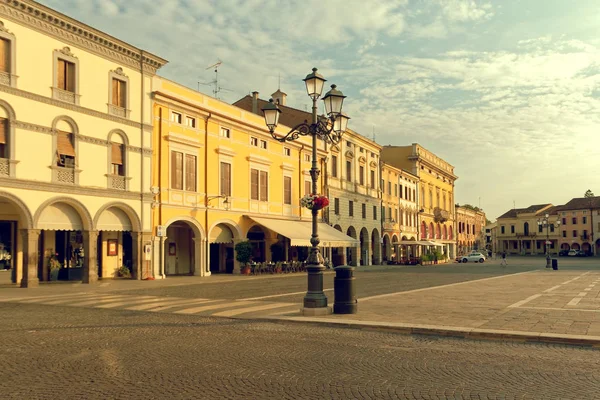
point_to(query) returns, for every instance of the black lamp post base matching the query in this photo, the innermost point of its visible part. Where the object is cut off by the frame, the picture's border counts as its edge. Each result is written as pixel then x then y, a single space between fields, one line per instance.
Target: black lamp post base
pixel 315 297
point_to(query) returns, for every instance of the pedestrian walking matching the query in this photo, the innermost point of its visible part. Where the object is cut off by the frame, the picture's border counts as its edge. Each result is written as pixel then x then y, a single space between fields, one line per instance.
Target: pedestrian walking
pixel 503 263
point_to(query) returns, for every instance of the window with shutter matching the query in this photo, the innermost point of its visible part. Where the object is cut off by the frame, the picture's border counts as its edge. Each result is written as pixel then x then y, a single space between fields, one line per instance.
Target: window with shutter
pixel 4 138
pixel 190 173
pixel 225 179
pixel 64 144
pixel 62 72
pixel 264 186
pixel 254 184
pixel 176 170
pixel 287 190
pixel 307 187
pixel 334 166
pixel 116 155
pixel 119 93
pixel 361 172
pixel 4 55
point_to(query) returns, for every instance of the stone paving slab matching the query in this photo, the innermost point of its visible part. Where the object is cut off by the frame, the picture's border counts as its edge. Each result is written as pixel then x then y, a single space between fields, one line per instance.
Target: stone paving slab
pixel 528 306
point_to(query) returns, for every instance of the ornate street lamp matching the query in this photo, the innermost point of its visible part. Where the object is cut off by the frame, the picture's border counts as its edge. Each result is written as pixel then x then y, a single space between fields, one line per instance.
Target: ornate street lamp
pixel 546 222
pixel 329 128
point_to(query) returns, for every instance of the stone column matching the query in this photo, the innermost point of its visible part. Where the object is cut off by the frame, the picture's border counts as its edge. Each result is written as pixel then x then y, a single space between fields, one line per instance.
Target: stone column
pixel 30 239
pixel 137 258
pixel 236 264
pixel 90 265
pixel 157 257
pixel 198 243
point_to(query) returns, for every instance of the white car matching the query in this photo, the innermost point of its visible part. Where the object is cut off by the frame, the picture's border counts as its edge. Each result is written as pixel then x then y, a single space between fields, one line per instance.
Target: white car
pixel 475 256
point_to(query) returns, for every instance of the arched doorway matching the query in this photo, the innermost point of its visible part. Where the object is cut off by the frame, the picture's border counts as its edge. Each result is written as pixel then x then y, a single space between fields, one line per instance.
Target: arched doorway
pixel 423 230
pixel 575 246
pixel 445 232
pixel 438 231
pixel 65 237
pixel 352 252
pixel 364 246
pixel 117 243
pixel 221 258
pixel 565 246
pixel 376 247
pixel 395 249
pixel 525 228
pixel 586 247
pixel 256 236
pixel 386 249
pixel 337 253
pixel 181 249
pixel 16 223
pixel 431 231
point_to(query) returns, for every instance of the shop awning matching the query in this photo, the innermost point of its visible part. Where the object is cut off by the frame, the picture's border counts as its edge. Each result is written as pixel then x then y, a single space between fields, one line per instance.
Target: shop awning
pixel 299 233
pixel 406 242
pixel 429 243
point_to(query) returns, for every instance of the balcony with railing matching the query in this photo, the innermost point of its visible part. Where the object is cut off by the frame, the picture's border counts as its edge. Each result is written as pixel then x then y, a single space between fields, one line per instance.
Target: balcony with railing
pixel 65 95
pixel 4 167
pixel 117 182
pixel 64 174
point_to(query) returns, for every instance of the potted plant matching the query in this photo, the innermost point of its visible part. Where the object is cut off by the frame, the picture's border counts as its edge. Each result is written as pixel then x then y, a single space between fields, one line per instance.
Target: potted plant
pixel 54 266
pixel 124 272
pixel 243 254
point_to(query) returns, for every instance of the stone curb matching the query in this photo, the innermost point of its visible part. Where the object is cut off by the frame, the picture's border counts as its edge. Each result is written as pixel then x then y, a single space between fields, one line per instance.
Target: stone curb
pixel 447 331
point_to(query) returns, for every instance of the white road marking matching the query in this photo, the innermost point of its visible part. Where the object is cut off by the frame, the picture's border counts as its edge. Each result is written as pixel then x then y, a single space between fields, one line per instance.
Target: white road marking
pixel 163 302
pixel 195 310
pixel 551 289
pixel 183 303
pixel 582 294
pixel 575 301
pixel 238 311
pixel 527 300
pixel 558 309
pixel 442 286
pixel 278 295
pixel 83 301
pixel 127 302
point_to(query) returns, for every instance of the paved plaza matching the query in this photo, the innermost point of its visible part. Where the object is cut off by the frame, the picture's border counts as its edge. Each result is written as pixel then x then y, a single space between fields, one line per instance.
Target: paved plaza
pixel 243 337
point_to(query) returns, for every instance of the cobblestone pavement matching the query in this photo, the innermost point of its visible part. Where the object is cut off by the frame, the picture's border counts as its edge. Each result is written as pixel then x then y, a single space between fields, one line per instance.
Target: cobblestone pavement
pixel 54 352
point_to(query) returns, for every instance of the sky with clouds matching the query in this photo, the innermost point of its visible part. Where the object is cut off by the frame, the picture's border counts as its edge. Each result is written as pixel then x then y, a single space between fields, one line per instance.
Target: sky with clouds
pixel 507 91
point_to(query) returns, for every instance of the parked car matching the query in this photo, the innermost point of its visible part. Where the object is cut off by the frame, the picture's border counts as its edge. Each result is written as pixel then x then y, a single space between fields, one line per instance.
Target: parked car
pixel 572 253
pixel 581 253
pixel 475 256
pixel 563 253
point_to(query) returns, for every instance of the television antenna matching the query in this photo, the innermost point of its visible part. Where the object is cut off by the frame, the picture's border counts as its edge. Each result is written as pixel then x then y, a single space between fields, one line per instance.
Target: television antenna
pixel 214 83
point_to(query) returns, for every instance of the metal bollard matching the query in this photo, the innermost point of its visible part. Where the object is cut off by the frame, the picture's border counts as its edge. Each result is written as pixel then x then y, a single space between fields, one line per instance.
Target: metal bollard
pixel 344 295
pixel 555 264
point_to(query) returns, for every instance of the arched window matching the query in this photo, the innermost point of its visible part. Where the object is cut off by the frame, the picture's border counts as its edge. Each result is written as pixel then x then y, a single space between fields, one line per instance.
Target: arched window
pixel 65 150
pixel 117 160
pixel 7 145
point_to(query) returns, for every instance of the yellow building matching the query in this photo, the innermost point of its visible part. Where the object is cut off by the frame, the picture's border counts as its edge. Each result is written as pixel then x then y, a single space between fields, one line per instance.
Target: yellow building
pixel 435 194
pixel 470 223
pixel 220 178
pixel 400 218
pixel 518 231
pixel 75 143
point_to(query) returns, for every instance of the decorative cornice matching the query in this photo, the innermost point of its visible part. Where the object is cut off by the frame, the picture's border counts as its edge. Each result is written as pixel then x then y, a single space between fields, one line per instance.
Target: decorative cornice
pixel 362 159
pixel 259 160
pixel 119 71
pixel 3 28
pixel 72 107
pixel 87 139
pixel 66 51
pixel 349 154
pixel 53 23
pixel 225 151
pixel 287 167
pixel 182 139
pixel 71 189
pixel 373 164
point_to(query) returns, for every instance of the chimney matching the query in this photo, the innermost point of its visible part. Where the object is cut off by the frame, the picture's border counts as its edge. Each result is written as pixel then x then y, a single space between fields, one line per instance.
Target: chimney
pixel 255 102
pixel 279 97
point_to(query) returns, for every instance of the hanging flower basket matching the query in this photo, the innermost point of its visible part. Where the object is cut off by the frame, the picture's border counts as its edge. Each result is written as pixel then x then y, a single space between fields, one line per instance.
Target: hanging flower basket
pixel 314 201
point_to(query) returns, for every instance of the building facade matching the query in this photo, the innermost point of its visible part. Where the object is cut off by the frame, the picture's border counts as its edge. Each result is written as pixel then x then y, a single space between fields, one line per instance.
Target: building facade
pixel 579 225
pixel 490 237
pixel 519 233
pixel 470 235
pixel 435 194
pixel 350 171
pixel 75 143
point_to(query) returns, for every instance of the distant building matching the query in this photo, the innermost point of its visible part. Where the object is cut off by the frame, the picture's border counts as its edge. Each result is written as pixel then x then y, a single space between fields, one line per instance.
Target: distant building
pixel 469 228
pixel 519 232
pixel 580 224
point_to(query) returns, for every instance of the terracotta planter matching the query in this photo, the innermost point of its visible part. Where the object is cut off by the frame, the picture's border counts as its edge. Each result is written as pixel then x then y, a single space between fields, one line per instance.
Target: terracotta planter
pixel 245 270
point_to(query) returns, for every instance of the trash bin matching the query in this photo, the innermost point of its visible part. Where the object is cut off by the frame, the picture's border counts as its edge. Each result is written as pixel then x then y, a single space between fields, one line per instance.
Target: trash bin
pixel 344 295
pixel 555 264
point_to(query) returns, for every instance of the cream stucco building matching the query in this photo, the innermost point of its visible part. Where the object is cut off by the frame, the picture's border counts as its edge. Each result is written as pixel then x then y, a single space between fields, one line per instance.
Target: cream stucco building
pixel 75 138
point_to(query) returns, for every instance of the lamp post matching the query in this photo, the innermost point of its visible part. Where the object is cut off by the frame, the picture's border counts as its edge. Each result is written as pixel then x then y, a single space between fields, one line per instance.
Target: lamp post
pixel 546 222
pixel 329 128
